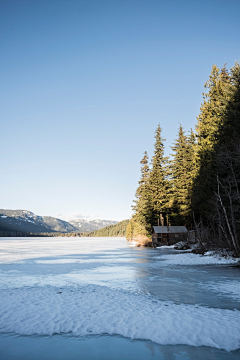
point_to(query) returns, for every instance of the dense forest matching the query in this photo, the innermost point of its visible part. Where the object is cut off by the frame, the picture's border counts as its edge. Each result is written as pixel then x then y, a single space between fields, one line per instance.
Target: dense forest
pixel 199 184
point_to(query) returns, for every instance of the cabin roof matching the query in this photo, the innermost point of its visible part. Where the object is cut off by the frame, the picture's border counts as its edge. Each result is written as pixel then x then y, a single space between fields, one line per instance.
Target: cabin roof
pixel 169 229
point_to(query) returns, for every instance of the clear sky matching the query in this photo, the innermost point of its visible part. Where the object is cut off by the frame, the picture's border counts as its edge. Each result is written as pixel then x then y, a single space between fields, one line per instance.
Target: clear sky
pixel 84 85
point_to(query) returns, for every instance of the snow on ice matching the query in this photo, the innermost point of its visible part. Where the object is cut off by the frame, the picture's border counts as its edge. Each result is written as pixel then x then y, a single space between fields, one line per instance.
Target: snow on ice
pixel 194 259
pixel 34 301
pixel 228 288
pixel 98 310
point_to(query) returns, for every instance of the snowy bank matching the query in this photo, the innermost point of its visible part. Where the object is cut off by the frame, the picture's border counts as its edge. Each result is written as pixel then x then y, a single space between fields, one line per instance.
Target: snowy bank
pixel 98 310
pixel 188 258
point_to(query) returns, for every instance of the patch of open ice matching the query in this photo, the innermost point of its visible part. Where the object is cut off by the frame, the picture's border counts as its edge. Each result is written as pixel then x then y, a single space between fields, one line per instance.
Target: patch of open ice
pixel 193 259
pixel 17 249
pixel 96 310
pixel 99 276
pixel 82 261
pixel 228 288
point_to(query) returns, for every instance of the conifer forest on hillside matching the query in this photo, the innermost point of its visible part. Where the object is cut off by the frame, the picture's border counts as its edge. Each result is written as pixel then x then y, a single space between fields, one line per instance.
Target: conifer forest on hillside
pixel 118 229
pixel 199 185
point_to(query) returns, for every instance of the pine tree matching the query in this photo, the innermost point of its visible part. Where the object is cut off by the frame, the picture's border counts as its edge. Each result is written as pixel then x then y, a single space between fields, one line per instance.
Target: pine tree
pixel 229 128
pixel 182 167
pixel 210 117
pixel 207 133
pixel 216 195
pixel 192 148
pixel 143 204
pixel 130 230
pixel 227 165
pixel 159 182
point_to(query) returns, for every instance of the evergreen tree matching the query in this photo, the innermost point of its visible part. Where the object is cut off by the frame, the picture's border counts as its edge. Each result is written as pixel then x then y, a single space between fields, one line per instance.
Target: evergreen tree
pixel 207 133
pixel 210 119
pixel 159 181
pixel 143 205
pixel 192 149
pixel 216 194
pixel 204 175
pixel 229 128
pixel 130 230
pixel 227 164
pixel 183 168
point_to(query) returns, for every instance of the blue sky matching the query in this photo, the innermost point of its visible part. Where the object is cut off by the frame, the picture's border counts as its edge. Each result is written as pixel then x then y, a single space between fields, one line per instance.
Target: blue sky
pixel 84 85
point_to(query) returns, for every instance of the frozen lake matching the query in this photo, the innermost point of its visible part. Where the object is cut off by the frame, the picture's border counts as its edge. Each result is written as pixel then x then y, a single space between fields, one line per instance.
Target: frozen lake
pixel 102 298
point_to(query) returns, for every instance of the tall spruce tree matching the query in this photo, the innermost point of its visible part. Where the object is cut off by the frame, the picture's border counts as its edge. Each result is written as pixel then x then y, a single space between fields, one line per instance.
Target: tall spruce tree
pixel 216 195
pixel 143 203
pixel 225 213
pixel 210 119
pixel 182 167
pixel 207 133
pixel 192 161
pixel 159 181
pixel 229 128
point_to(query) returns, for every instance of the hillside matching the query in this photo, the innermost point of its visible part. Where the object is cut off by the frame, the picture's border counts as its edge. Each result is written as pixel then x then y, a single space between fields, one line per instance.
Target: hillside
pixel 26 221
pixel 118 229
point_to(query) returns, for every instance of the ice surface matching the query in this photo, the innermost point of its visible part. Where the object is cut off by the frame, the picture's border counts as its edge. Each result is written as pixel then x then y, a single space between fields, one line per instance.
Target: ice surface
pixel 79 261
pixel 17 249
pixel 100 275
pixel 79 286
pixel 99 310
pixel 228 288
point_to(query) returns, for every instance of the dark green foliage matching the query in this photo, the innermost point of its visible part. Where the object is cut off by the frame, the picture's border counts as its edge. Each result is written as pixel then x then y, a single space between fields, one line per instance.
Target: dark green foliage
pixel 183 169
pixel 216 188
pixel 207 132
pixel 143 203
pixel 130 230
pixel 200 185
pixel 152 195
pixel 159 181
pixel 118 229
pixel 229 129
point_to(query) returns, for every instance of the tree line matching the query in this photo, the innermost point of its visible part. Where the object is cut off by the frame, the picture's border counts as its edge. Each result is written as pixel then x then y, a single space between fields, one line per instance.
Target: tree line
pixel 118 229
pixel 199 185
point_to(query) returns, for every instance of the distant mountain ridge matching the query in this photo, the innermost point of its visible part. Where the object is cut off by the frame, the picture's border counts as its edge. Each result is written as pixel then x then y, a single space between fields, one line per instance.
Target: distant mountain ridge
pixel 26 221
pixel 91 225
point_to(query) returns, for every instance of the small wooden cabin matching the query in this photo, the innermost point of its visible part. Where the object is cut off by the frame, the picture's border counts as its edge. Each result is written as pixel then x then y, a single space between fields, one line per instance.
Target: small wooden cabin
pixel 168 235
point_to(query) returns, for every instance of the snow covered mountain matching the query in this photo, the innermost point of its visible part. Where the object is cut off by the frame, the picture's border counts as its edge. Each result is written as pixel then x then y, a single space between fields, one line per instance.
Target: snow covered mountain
pixel 23 220
pixel 91 225
pixel 26 221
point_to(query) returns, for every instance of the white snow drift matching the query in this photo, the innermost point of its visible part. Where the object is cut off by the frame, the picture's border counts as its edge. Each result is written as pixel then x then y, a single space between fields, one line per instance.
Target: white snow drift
pixel 99 310
pixel 193 259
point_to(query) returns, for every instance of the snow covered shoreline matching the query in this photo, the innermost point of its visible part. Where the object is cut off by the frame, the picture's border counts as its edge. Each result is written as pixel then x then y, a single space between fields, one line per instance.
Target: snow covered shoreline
pixel 188 258
pixel 207 258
